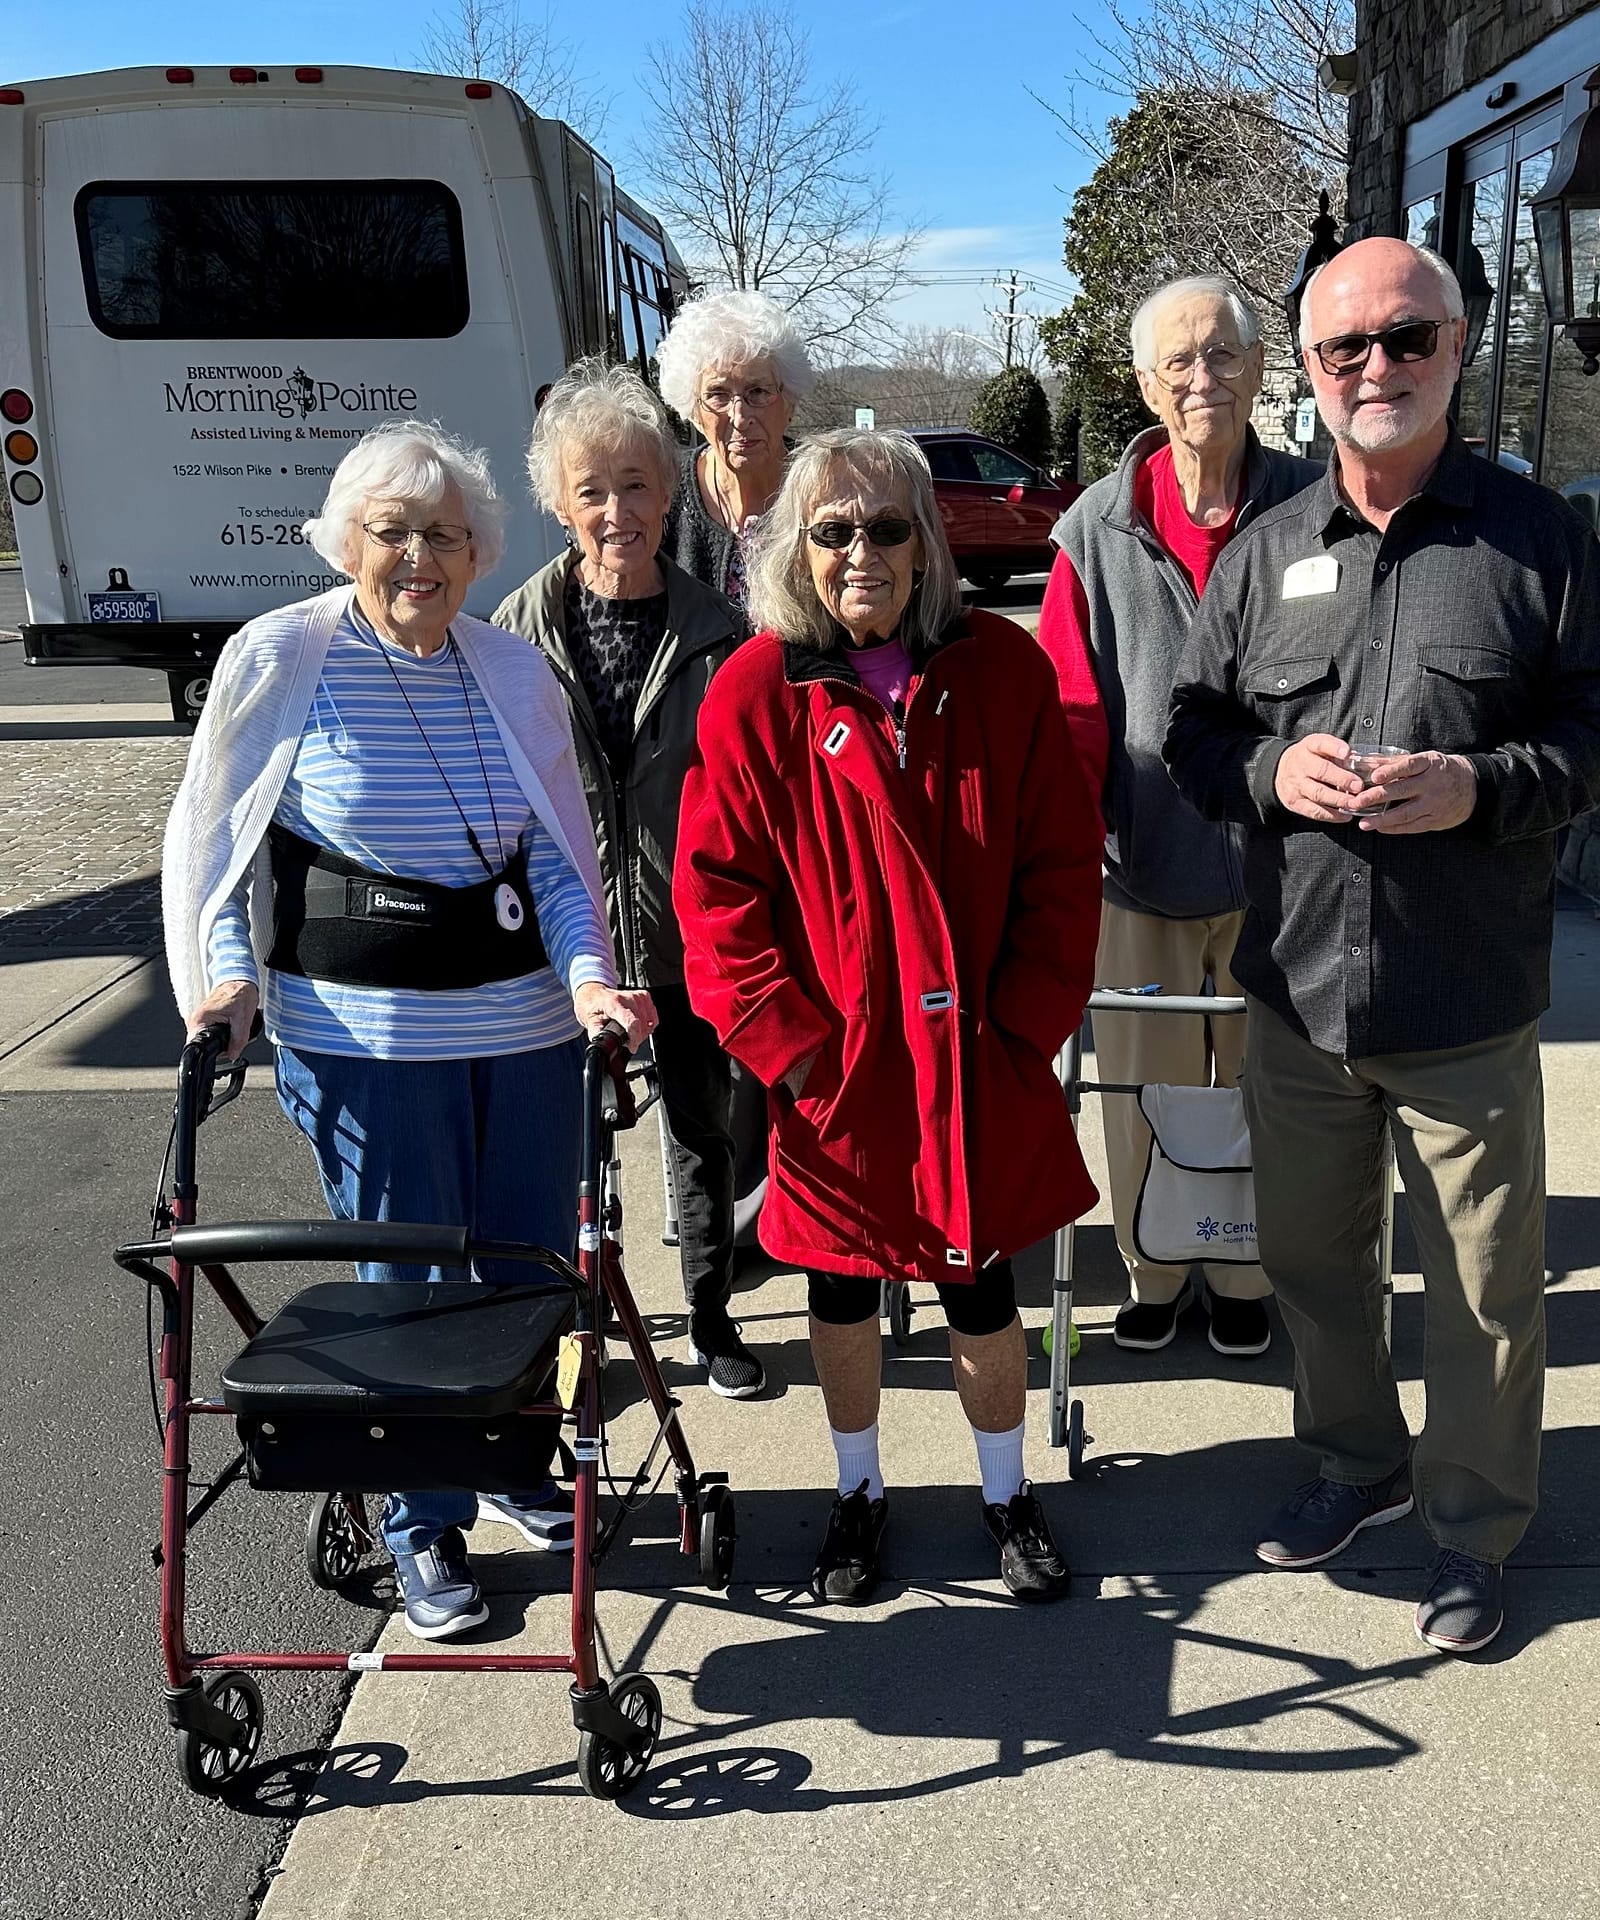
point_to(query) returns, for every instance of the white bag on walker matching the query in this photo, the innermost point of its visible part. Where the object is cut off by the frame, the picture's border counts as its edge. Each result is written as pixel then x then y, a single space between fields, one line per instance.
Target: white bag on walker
pixel 1197 1200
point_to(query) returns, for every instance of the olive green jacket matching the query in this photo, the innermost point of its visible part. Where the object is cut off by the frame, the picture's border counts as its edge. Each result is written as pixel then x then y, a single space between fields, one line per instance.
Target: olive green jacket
pixel 636 817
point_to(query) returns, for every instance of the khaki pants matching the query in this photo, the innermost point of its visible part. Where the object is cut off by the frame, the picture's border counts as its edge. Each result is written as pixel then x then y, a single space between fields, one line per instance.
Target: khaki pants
pixel 1163 1049
pixel 1468 1131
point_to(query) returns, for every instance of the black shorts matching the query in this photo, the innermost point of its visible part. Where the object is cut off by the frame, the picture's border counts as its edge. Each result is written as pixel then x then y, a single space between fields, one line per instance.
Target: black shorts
pixel 987 1303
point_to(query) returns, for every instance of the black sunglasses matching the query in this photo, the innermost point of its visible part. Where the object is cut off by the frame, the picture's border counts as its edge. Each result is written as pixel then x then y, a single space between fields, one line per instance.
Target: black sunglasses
pixel 1350 352
pixel 888 530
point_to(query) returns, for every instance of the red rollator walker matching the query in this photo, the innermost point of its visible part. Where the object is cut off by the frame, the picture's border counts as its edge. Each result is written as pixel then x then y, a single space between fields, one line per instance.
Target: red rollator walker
pixel 353 1388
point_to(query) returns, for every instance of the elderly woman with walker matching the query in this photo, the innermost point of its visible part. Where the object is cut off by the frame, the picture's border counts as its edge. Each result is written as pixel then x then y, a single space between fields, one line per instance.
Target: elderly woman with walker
pixel 888 881
pixel 381 840
pixel 633 641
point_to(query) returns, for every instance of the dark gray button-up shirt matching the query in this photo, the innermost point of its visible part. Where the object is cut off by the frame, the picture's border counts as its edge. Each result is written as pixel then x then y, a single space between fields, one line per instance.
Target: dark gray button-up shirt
pixel 1472 625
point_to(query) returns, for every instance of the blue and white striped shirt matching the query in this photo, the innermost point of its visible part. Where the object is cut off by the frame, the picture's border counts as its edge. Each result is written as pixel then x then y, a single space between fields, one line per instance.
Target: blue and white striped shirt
pixel 364 784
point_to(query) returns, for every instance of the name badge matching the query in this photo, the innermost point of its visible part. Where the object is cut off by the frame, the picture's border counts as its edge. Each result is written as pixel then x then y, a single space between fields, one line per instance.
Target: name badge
pixel 1319 574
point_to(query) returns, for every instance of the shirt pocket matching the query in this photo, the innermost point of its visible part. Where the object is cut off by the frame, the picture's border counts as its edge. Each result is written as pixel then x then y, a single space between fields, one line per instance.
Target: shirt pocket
pixel 1293 694
pixel 1468 697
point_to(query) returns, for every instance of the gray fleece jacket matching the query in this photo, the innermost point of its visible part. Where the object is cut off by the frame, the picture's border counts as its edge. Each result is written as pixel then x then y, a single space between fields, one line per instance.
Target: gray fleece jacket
pixel 1161 857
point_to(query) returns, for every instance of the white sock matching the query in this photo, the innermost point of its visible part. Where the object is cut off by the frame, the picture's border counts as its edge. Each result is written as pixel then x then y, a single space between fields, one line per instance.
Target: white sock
pixel 1000 1463
pixel 858 1460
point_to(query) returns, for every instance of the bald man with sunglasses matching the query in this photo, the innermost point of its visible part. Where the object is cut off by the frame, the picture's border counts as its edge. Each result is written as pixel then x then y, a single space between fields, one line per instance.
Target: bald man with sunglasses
pixel 1428 606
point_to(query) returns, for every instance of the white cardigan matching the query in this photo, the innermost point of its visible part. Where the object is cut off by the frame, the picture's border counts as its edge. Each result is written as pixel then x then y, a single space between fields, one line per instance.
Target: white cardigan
pixel 245 747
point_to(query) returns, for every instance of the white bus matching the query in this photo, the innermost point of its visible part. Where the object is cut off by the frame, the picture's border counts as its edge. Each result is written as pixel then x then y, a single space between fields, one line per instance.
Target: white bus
pixel 214 280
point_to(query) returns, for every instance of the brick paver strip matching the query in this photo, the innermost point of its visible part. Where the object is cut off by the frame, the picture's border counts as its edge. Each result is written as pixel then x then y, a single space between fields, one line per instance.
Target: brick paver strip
pixel 80 841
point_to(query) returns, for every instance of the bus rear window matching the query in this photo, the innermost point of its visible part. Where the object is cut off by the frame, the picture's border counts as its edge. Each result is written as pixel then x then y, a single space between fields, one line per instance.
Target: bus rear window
pixel 285 259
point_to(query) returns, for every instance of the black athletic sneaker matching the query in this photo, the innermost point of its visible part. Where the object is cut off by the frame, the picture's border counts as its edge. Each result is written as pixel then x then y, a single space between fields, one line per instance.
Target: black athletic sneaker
pixel 847 1567
pixel 1143 1325
pixel 1462 1609
pixel 1322 1517
pixel 1030 1563
pixel 732 1370
pixel 1239 1328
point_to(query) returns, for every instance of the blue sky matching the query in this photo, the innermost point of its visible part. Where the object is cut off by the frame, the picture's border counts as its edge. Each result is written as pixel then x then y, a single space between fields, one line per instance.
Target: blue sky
pixel 972 158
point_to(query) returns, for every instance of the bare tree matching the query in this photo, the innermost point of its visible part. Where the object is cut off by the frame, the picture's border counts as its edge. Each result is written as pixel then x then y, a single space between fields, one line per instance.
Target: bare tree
pixel 1250 136
pixel 495 40
pixel 764 179
pixel 1258 58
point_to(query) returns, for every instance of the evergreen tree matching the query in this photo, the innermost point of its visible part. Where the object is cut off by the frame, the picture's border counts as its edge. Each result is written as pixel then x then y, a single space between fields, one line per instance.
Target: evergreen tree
pixel 1013 409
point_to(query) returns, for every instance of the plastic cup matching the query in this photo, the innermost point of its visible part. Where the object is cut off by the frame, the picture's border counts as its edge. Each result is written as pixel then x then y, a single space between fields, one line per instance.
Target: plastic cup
pixel 1362 762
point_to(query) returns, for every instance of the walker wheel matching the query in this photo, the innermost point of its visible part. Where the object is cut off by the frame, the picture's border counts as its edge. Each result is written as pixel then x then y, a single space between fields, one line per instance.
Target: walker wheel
pixel 719 1536
pixel 1075 1441
pixel 606 1770
pixel 207 1767
pixel 337 1536
pixel 897 1309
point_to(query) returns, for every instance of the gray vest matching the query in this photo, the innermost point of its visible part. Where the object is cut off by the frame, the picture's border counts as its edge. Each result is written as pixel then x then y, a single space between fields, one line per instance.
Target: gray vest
pixel 1161 857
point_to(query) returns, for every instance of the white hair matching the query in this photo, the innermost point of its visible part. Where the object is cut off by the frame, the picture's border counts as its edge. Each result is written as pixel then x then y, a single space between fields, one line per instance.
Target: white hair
pixel 1142 328
pixel 730 330
pixel 413 463
pixel 782 596
pixel 597 405
pixel 1454 306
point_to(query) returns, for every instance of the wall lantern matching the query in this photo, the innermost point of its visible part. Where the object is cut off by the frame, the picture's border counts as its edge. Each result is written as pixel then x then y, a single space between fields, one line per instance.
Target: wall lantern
pixel 1324 245
pixel 1566 221
pixel 1477 297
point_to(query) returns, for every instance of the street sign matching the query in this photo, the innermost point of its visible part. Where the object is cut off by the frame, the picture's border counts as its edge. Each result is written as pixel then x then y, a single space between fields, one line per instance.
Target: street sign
pixel 866 419
pixel 1305 422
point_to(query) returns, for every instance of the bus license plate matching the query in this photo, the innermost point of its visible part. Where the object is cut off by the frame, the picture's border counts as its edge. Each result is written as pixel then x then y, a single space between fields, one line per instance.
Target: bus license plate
pixel 125 609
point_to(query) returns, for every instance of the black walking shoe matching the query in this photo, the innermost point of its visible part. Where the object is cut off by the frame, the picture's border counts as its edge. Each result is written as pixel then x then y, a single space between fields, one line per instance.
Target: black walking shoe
pixel 732 1370
pixel 1239 1328
pixel 1030 1563
pixel 1147 1326
pixel 1462 1609
pixel 847 1567
pixel 1321 1518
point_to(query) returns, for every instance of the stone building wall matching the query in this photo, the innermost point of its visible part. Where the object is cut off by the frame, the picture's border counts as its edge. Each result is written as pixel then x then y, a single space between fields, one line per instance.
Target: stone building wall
pixel 1413 54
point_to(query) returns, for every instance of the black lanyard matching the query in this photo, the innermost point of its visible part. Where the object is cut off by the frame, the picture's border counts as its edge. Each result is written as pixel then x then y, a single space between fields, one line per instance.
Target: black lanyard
pixel 466 701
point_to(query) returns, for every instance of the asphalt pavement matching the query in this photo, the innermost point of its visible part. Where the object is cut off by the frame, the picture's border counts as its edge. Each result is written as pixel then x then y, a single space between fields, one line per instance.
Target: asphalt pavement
pixel 97 1826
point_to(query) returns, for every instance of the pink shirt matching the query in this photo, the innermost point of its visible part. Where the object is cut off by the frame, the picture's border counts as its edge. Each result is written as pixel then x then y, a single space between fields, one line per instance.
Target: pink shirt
pixel 885 671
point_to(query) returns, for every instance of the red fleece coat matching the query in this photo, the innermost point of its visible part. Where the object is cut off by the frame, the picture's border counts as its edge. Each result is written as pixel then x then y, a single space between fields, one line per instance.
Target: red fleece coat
pixel 918 912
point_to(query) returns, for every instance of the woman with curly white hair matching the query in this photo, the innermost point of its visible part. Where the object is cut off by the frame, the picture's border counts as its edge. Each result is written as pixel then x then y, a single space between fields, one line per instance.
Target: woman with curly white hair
pixel 734 365
pixel 381 839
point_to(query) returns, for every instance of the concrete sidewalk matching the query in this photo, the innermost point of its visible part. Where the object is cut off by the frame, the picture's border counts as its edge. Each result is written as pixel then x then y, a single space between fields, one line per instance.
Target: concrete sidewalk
pixel 1188 1734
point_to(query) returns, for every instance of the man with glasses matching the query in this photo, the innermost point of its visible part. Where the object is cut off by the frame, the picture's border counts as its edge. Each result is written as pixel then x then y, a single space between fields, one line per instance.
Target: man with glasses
pixel 1136 551
pixel 1441 616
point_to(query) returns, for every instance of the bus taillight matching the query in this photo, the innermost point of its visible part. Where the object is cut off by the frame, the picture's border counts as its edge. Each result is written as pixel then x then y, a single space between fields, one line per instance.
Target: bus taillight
pixel 15 406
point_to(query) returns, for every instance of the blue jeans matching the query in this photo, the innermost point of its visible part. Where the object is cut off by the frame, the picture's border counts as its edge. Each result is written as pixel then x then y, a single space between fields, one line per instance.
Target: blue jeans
pixel 489 1144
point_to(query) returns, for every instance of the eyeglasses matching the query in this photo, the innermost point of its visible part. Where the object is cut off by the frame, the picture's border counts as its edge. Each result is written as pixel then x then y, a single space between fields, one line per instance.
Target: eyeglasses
pixel 1349 352
pixel 725 399
pixel 888 530
pixel 1222 362
pixel 390 534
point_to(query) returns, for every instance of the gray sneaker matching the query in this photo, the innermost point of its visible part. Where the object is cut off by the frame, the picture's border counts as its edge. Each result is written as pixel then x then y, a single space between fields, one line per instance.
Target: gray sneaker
pixel 1462 1609
pixel 544 1518
pixel 442 1597
pixel 1321 1518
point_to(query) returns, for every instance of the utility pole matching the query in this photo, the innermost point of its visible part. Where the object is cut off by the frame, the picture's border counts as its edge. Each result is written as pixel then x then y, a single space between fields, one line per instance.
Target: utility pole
pixel 1013 285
